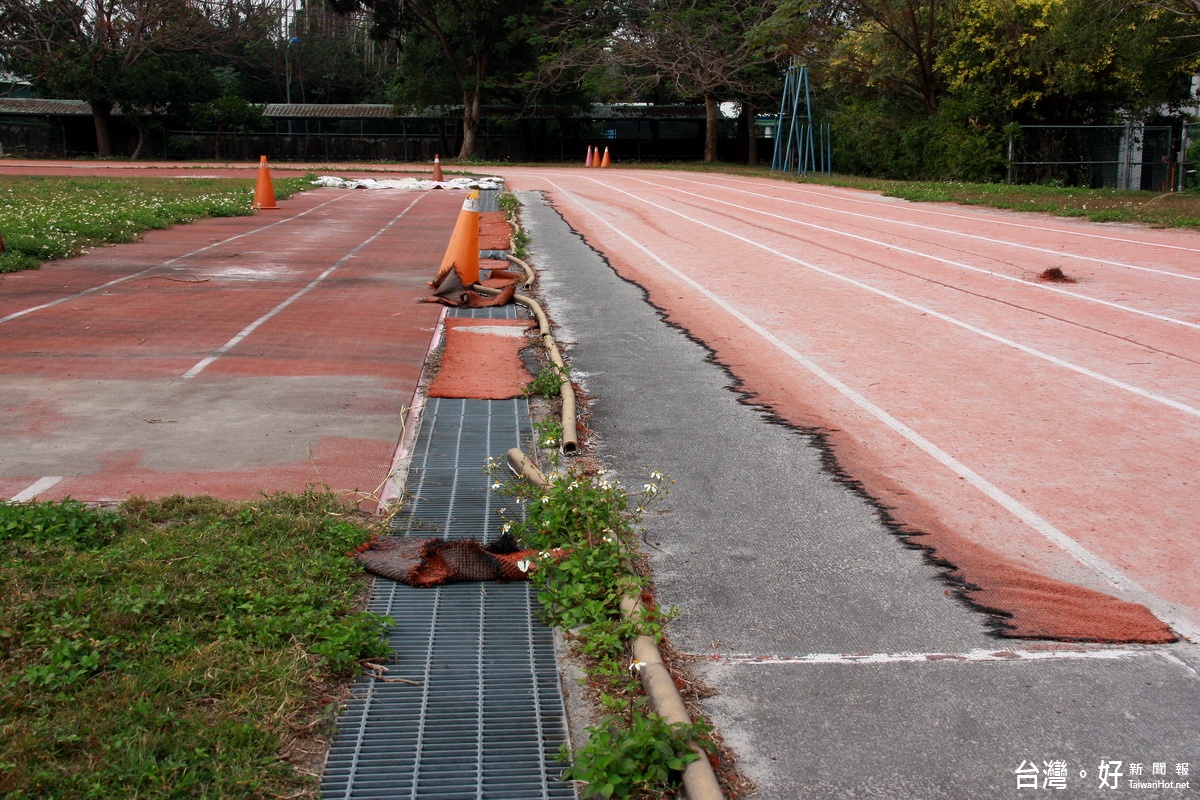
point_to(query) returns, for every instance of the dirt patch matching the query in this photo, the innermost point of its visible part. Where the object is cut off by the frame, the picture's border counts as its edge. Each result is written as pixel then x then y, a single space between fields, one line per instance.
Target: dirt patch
pixel 1055 275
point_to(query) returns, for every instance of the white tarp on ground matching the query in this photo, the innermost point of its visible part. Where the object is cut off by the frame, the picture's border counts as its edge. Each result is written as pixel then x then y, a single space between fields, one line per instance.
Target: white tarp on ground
pixel 409 183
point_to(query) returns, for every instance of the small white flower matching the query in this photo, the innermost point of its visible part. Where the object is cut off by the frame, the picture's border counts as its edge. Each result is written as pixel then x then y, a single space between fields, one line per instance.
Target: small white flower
pixel 545 499
pixel 495 486
pixel 656 475
pixel 506 527
pixel 649 488
pixel 524 565
pixel 636 666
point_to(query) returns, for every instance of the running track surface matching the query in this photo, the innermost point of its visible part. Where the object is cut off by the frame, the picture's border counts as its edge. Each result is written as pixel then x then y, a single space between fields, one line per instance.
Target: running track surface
pixel 1038 436
pixel 229 357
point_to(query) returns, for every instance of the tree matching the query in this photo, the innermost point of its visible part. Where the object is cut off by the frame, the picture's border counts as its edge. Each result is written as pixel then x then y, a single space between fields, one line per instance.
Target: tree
pixel 695 48
pixel 1067 61
pixel 479 43
pixel 93 49
pixel 894 45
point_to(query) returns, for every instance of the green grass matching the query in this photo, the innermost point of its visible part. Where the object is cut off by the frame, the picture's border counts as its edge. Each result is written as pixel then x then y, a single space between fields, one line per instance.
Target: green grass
pixel 44 218
pixel 180 648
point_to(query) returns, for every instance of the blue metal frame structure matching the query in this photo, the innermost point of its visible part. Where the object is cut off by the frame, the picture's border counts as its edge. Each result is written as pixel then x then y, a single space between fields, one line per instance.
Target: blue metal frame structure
pixel 801 144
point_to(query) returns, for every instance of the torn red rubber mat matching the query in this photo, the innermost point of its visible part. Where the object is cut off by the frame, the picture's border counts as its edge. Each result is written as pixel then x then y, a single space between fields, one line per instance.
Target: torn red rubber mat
pixel 482 360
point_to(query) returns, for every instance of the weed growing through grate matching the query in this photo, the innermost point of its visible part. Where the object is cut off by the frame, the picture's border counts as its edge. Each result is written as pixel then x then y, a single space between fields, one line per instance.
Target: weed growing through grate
pixel 633 754
pixel 174 648
pixel 44 218
pixel 582 526
pixel 548 382
pixel 549 432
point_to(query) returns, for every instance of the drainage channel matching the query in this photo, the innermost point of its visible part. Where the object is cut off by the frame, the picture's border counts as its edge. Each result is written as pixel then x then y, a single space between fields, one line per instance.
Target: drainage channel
pixel 479 713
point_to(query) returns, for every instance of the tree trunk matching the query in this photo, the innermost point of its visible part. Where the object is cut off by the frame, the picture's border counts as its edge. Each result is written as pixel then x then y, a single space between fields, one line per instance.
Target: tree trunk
pixel 710 127
pixel 100 115
pixel 472 106
pixel 137 151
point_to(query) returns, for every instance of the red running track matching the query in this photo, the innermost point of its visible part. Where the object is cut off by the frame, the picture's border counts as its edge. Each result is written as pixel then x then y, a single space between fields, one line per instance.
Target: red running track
pixel 1039 436
pixel 229 357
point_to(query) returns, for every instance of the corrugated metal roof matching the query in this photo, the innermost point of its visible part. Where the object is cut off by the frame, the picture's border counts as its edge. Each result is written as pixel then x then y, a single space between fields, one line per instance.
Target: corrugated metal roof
pixel 32 106
pixel 329 110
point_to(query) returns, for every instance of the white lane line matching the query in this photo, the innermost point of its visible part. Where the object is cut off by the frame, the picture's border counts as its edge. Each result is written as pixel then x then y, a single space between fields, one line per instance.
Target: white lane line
pixel 968 657
pixel 916 208
pixel 1109 572
pixel 241 335
pixel 919 254
pixel 169 262
pixel 1127 387
pixel 34 489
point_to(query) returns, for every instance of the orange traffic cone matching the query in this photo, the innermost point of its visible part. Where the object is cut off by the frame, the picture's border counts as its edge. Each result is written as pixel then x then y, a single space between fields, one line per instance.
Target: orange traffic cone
pixel 604 162
pixel 460 264
pixel 588 162
pixel 264 191
pixel 437 169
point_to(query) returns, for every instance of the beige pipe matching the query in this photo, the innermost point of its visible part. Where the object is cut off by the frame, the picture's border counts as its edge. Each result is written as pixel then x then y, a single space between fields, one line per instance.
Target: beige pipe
pixel 699 780
pixel 523 468
pixel 528 270
pixel 570 424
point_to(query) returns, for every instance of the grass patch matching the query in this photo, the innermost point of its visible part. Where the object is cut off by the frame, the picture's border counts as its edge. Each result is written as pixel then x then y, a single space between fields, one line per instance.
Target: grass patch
pixel 185 647
pixel 45 218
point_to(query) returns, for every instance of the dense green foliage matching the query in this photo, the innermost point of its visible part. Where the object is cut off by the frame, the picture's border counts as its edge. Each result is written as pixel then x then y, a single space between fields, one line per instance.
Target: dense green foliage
pixel 173 648
pixel 924 89
pixel 929 89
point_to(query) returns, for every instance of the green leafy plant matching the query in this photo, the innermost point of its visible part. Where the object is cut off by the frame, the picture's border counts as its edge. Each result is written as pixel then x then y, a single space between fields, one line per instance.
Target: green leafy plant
pixel 548 382
pixel 549 432
pixel 67 522
pixel 634 755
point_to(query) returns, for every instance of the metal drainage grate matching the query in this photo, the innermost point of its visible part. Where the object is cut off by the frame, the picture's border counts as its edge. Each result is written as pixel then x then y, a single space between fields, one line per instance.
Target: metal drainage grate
pixel 484 715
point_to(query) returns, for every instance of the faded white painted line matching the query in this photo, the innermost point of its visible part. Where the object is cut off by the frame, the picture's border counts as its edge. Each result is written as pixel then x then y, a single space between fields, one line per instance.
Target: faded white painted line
pixel 948 262
pixel 1114 576
pixel 37 487
pixel 169 262
pixel 969 657
pixel 241 335
pixel 1128 387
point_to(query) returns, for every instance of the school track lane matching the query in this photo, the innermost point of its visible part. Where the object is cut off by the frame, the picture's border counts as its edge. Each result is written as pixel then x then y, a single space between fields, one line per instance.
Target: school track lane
pixel 333 344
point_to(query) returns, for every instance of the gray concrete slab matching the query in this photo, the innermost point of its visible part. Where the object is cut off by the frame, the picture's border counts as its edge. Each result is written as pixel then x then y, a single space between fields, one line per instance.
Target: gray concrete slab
pixel 779 568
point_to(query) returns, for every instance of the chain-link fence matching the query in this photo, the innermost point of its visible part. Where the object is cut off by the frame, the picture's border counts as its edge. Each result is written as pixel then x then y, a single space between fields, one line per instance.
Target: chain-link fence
pixel 1098 156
